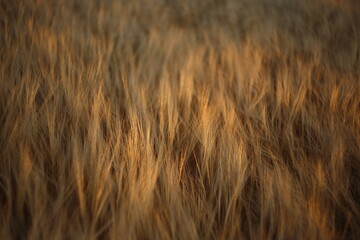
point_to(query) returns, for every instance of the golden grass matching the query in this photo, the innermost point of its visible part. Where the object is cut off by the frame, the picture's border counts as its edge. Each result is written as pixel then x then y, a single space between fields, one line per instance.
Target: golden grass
pixel 158 119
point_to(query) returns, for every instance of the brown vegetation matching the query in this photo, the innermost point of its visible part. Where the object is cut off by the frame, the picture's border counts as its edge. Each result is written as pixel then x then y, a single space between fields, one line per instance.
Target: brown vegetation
pixel 159 119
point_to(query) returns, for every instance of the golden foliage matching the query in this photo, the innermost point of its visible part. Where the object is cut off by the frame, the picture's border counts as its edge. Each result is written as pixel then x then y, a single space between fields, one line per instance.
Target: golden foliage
pixel 158 119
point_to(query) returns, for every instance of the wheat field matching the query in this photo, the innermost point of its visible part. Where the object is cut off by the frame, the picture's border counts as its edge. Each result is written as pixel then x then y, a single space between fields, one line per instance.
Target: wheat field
pixel 179 119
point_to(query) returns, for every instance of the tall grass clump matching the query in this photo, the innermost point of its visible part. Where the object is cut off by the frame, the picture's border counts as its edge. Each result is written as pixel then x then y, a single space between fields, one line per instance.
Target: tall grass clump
pixel 159 119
